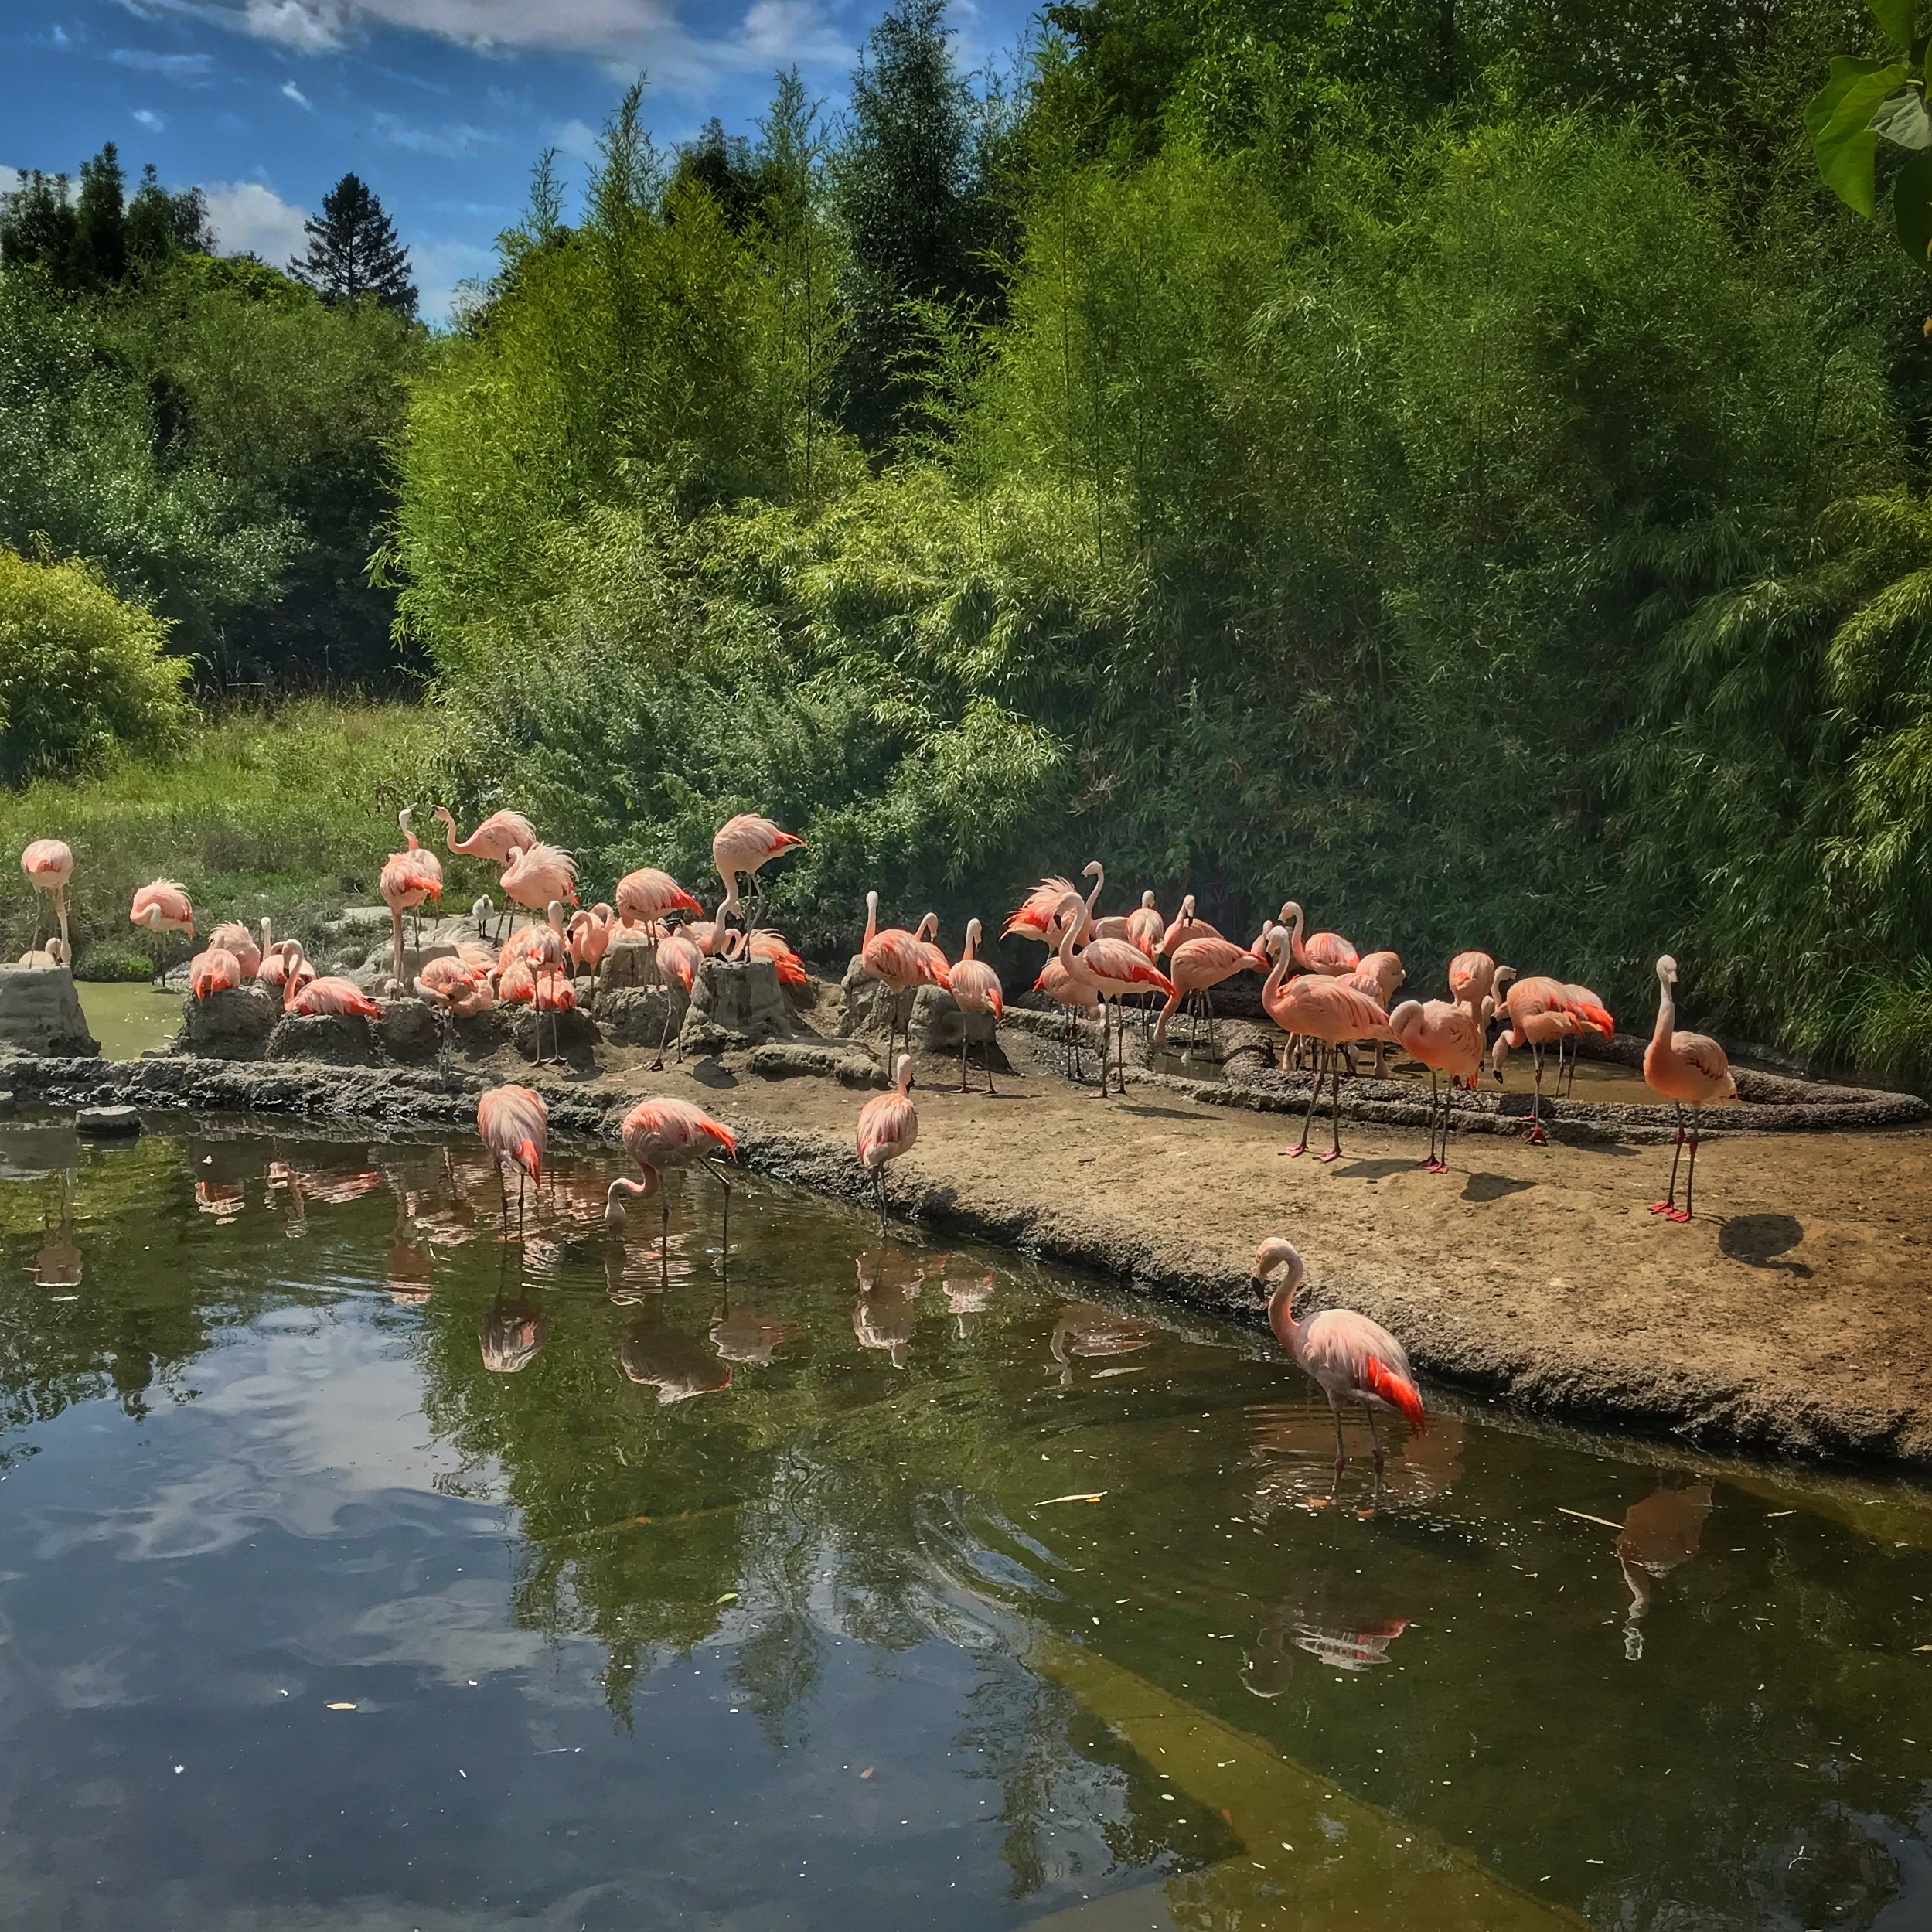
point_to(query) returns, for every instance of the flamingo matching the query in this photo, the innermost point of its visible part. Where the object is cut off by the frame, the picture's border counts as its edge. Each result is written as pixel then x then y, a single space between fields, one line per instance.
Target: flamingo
pixel 678 960
pixel 46 957
pixel 217 970
pixel 645 895
pixel 162 907
pixel 660 1135
pixel 888 1126
pixel 405 883
pixel 902 962
pixel 514 1124
pixel 49 865
pixel 232 936
pixel 1327 952
pixel 743 844
pixel 282 960
pixel 1073 997
pixel 425 859
pixel 1186 927
pixel 1037 916
pixel 1447 1037
pixel 1323 1008
pixel 1540 1009
pixel 1689 1070
pixel 306 994
pixel 1115 968
pixel 977 988
pixel 1582 999
pixel 1146 928
pixel 447 987
pixel 537 875
pixel 764 944
pixel 1195 966
pixel 1379 975
pixel 1348 1356
pixel 1471 976
pixel 496 839
pixel 591 935
pixel 554 995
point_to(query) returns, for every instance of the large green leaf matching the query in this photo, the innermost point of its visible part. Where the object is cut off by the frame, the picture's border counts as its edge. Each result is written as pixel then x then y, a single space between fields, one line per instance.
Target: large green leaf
pixel 1912 203
pixel 1839 121
pixel 1898 18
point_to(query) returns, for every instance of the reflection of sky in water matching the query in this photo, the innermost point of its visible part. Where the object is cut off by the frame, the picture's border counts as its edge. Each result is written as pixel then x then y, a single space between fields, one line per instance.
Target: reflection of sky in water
pixel 626 1572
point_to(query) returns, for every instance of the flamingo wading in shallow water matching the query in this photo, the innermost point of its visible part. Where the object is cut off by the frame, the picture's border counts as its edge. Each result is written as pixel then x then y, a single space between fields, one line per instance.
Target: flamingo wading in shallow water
pixel 743 844
pixel 888 1126
pixel 1689 1070
pixel 662 1134
pixel 1348 1356
pixel 515 1126
pixel 162 907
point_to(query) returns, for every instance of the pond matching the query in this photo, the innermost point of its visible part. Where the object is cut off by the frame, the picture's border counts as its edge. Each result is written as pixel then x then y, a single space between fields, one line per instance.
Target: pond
pixel 361 1568
pixel 129 1018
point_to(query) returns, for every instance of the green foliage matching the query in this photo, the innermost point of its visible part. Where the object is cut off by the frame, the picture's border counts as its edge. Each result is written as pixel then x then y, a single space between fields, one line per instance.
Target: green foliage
pixel 83 675
pixel 352 253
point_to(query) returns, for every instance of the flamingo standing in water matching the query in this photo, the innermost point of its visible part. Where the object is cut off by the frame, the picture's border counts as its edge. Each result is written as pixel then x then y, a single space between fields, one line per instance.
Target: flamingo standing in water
pixel 902 962
pixel 1447 1038
pixel 162 907
pixel 515 1126
pixel 1348 1356
pixel 743 844
pixel 49 865
pixel 1197 965
pixel 1689 1070
pixel 888 1126
pixel 977 988
pixel 1325 1009
pixel 1114 967
pixel 660 1135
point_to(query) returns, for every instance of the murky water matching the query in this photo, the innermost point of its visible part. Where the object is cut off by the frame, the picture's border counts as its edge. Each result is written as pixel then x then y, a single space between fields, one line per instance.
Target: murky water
pixel 359 1569
pixel 129 1019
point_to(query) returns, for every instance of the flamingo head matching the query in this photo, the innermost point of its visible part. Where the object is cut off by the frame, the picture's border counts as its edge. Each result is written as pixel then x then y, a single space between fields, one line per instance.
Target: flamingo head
pixel 1186 908
pixel 903 1077
pixel 1147 900
pixel 1274 1253
pixel 1068 911
pixel 1093 869
pixel 1274 939
pixel 1405 1017
pixel 973 933
pixel 443 812
pixel 1666 971
pixel 928 927
pixel 403 819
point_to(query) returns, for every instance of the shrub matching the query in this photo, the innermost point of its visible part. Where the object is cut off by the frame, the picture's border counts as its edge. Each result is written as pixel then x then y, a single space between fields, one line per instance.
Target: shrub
pixel 82 673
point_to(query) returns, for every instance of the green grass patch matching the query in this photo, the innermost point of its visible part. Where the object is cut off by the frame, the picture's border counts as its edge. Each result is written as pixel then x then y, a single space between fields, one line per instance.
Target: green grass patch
pixel 289 813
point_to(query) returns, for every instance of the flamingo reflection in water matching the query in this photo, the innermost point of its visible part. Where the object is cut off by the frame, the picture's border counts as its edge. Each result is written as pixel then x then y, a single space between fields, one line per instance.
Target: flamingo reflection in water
pixel 677 1365
pixel 743 1334
pixel 890 1281
pixel 969 1288
pixel 1295 1443
pixel 224 1199
pixel 1660 1534
pixel 1349 1632
pixel 511 1335
pixel 1088 1329
pixel 59 1264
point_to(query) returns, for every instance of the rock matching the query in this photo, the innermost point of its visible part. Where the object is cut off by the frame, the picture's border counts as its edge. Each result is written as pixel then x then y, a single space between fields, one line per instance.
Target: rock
pixel 410 1030
pixel 7 1104
pixel 851 1065
pixel 341 1039
pixel 482 1034
pixel 40 1012
pixel 937 1023
pixel 231 1025
pixel 635 1017
pixel 362 918
pixel 371 971
pixel 575 1039
pixel 107 1120
pixel 736 1002
pixel 630 960
pixel 866 1004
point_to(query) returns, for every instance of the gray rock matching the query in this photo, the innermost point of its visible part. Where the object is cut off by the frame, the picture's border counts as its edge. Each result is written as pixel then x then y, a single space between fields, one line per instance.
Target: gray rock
pixel 635 1017
pixel 410 1031
pixel 736 1003
pixel 482 1034
pixel 7 1103
pixel 107 1120
pixel 338 1039
pixel 630 960
pixel 40 1012
pixel 865 1004
pixel 371 970
pixel 231 1025
pixel 851 1065
pixel 574 1038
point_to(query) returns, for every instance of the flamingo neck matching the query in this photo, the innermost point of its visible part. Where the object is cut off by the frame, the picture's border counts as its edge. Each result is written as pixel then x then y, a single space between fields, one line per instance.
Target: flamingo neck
pixel 1666 1013
pixel 1295 947
pixel 972 942
pixel 871 919
pixel 1099 882
pixel 1289 1332
pixel 729 903
pixel 1271 985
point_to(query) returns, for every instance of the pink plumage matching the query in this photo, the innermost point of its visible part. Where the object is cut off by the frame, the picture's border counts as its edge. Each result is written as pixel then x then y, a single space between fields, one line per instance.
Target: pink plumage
pixel 162 907
pixel 1186 926
pixel 48 863
pixel 543 872
pixel 764 944
pixel 1328 952
pixel 1037 916
pixel 894 956
pixel 743 844
pixel 342 998
pixel 888 1123
pixel 496 838
pixel 1690 1069
pixel 658 1134
pixel 678 960
pixel 647 894
pixel 232 936
pixel 515 1126
pixel 1197 965
pixel 1061 986
pixel 975 984
pixel 217 970
pixel 1326 1008
pixel 517 983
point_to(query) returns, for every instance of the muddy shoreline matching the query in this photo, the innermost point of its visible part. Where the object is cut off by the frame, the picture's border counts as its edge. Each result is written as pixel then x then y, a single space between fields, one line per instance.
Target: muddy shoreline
pixel 1793 1318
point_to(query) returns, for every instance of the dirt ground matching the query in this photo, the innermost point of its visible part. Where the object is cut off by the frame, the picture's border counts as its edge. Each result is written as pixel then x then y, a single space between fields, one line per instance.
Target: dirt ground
pixel 1793 1315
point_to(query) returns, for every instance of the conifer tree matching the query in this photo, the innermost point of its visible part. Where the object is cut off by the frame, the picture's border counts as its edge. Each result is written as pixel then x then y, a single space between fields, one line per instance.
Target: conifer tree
pixel 352 251
pixel 99 239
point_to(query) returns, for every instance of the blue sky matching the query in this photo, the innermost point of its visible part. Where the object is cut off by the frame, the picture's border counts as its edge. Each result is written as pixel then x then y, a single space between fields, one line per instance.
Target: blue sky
pixel 440 105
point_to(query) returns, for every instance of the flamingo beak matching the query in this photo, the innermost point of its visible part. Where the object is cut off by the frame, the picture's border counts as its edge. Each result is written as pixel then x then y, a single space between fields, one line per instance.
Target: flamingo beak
pixel 1256 1286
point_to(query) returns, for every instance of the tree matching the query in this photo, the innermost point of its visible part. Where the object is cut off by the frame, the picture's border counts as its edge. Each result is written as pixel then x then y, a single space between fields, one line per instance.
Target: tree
pixel 37 224
pixel 908 194
pixel 158 222
pixel 100 238
pixel 352 251
pixel 723 165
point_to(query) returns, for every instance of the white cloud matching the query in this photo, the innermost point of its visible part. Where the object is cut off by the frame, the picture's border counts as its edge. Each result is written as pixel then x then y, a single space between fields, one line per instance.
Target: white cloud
pixel 576 138
pixel 10 179
pixel 308 26
pixel 291 92
pixel 191 69
pixel 151 120
pixel 250 219
pixel 449 142
pixel 439 266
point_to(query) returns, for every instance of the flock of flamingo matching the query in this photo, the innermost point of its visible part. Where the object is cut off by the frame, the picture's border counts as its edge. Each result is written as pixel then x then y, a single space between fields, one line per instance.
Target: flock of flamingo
pixel 1322 993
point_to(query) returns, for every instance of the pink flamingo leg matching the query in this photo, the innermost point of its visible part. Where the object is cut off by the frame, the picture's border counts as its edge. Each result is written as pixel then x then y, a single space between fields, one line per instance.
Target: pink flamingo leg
pixel 1690 1177
pixel 1335 1108
pixel 1668 1204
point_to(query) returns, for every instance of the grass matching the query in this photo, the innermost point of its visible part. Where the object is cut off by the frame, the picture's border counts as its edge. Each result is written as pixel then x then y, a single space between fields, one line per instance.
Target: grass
pixel 289 813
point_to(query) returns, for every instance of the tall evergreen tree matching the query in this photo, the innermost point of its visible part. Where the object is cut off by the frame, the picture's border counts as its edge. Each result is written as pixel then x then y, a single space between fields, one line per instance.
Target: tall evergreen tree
pixel 909 196
pixel 99 239
pixel 37 224
pixel 352 251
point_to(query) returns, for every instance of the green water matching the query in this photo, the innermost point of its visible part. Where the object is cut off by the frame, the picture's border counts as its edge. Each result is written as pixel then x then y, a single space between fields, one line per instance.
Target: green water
pixel 128 1019
pixel 359 1569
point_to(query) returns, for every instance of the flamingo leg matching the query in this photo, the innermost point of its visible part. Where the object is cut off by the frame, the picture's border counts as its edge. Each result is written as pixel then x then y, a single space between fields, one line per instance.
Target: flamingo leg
pixel 1449 1101
pixel 1308 1120
pixel 1537 1136
pixel 657 1065
pixel 1335 1108
pixel 962 1050
pixel 1430 1164
pixel 992 1047
pixel 1368 1410
pixel 717 1175
pixel 1668 1204
pixel 1341 1448
pixel 1690 1177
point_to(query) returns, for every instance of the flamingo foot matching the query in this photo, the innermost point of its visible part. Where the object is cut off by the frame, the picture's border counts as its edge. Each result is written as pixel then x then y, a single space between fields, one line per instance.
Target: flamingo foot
pixel 1438 1166
pixel 1677 1213
pixel 1662 1206
pixel 1333 1154
pixel 1537 1136
pixel 1294 1154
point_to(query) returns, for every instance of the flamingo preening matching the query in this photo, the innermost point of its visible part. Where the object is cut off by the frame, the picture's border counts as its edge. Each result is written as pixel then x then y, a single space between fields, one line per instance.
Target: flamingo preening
pixel 1348 1356
pixel 162 907
pixel 49 865
pixel 1447 1038
pixel 1689 1070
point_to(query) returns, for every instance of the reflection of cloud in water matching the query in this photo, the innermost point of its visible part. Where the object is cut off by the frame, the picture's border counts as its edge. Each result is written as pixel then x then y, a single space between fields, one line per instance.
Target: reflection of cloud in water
pixel 1345 1626
pixel 458 1633
pixel 1295 1441
pixel 1087 1329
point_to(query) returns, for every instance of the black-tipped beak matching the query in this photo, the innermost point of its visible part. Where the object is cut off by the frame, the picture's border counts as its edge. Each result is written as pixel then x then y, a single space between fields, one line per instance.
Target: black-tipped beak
pixel 1257 1286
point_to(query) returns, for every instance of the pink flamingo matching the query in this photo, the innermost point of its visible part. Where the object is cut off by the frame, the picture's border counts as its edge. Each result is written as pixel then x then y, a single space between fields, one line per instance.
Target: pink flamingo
pixel 49 865
pixel 1582 999
pixel 1133 926
pixel 311 997
pixel 977 988
pixel 1328 952
pixel 1114 968
pixel 425 858
pixel 1541 1010
pixel 743 844
pixel 1074 997
pixel 1447 1038
pixel 163 908
pixel 590 935
pixel 1689 1070
pixel 280 960
pixel 232 936
pixel 645 895
pixel 1037 916
pixel 217 970
pixel 660 1135
pixel 1348 1356
pixel 535 876
pixel 515 1126
pixel 1196 966
pixel 1379 975
pixel 764 944
pixel 888 1126
pixel 405 883
pixel 1322 1008
pixel 499 835
pixel 680 962
pixel 449 988
pixel 902 962
pixel 1471 977
pixel 1186 927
